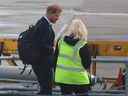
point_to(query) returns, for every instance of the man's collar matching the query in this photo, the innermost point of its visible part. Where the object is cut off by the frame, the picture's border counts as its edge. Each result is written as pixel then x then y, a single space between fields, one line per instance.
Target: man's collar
pixel 47 20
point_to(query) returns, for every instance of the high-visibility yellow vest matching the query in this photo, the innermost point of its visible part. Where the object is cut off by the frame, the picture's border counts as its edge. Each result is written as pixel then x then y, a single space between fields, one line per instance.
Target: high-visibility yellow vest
pixel 69 69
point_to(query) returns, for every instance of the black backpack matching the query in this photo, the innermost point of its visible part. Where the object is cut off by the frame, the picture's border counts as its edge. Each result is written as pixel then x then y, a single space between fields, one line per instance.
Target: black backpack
pixel 28 54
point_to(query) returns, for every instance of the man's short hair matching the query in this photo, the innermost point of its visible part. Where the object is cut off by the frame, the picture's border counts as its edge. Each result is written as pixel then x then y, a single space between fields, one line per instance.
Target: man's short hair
pixel 52 9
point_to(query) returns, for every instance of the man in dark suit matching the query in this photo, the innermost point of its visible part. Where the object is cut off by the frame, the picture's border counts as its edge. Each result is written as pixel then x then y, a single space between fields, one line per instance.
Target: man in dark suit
pixel 44 41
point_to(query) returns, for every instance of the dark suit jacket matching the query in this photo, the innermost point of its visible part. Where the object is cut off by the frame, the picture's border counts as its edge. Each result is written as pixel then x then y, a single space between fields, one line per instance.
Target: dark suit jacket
pixel 44 37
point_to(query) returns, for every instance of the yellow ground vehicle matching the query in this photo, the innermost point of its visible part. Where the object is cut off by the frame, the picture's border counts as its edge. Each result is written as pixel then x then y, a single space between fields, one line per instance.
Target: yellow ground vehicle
pixel 8 46
pixel 102 48
pixel 110 48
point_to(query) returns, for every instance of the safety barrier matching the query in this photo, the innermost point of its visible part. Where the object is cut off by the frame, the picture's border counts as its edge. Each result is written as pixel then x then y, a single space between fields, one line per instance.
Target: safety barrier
pixel 98 60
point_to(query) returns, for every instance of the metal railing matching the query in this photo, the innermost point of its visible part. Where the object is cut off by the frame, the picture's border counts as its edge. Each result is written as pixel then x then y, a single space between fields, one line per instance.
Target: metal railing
pixel 116 60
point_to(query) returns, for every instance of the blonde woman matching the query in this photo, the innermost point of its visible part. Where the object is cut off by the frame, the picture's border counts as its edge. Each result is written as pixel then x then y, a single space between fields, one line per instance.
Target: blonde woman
pixel 73 60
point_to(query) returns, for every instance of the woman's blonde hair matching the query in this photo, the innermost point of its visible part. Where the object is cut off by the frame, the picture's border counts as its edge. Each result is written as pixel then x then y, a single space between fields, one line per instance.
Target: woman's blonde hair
pixel 78 28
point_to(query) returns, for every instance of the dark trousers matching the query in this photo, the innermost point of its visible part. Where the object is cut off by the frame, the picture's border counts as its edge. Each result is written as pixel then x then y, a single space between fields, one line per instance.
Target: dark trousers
pixel 78 90
pixel 43 71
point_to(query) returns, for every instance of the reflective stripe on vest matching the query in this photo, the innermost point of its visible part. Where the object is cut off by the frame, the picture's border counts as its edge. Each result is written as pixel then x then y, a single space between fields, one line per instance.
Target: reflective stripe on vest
pixel 73 69
pixel 76 60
